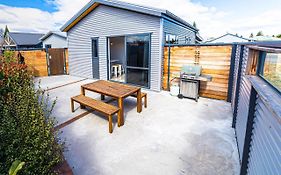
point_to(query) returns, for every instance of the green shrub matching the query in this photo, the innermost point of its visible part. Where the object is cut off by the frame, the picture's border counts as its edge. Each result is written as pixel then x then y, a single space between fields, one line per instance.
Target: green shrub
pixel 26 127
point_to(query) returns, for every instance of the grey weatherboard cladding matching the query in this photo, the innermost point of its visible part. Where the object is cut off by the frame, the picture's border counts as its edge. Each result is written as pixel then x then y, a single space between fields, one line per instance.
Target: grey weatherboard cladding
pixel 105 21
pixel 180 31
pixel 99 23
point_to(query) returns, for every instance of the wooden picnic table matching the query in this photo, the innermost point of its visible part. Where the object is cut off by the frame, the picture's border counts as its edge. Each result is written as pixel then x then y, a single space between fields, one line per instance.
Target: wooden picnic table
pixel 115 90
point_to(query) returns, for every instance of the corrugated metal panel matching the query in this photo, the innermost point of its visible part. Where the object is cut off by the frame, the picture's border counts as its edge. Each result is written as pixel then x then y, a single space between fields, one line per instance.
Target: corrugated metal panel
pixel 106 21
pixel 235 74
pixel 181 32
pixel 243 105
pixel 265 151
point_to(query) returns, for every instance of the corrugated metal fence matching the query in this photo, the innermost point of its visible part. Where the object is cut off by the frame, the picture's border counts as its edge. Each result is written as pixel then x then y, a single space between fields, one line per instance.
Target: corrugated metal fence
pixel 257 126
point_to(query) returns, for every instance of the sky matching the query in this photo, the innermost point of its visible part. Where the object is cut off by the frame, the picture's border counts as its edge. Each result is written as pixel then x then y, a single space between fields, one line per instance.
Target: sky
pixel 213 17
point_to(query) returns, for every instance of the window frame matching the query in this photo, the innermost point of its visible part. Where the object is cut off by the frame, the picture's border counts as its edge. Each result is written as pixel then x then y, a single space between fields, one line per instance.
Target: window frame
pixel 48 46
pixel 169 40
pixel 260 69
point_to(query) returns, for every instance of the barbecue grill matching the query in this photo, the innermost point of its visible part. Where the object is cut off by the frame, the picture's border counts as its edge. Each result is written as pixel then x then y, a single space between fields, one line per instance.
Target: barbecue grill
pixel 190 82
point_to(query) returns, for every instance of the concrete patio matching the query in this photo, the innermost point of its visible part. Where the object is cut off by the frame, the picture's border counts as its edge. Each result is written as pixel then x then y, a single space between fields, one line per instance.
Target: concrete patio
pixel 171 136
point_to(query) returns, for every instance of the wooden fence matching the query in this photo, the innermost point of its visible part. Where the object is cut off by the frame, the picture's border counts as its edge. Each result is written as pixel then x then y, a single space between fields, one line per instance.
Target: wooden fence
pixel 215 61
pixel 36 60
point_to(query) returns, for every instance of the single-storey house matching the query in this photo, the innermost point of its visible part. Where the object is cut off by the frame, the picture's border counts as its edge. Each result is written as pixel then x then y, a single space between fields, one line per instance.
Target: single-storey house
pixel 54 39
pixel 123 42
pixel 18 40
pixel 229 38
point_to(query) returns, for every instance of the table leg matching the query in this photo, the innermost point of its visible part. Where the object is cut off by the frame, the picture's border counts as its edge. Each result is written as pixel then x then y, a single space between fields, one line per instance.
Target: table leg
pixel 139 102
pixel 102 97
pixel 83 93
pixel 121 111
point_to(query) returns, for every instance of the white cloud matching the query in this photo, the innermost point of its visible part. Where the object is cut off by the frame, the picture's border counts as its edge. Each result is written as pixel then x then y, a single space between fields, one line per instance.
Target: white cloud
pixel 211 21
pixel 36 20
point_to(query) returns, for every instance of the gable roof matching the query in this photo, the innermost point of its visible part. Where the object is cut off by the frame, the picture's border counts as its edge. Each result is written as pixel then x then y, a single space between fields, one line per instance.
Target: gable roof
pixel 122 5
pixel 58 33
pixel 240 37
pixel 26 38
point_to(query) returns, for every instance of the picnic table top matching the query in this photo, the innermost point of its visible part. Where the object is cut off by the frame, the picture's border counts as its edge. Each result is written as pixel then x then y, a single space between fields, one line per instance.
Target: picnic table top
pixel 112 89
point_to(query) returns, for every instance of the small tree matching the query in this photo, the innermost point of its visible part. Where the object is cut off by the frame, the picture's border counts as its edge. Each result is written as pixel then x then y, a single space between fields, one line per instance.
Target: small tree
pixel 194 24
pixel 259 33
pixel 252 35
pixel 278 36
pixel 6 31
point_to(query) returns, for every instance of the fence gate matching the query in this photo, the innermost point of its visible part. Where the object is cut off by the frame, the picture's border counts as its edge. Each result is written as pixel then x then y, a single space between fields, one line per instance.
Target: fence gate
pixel 56 61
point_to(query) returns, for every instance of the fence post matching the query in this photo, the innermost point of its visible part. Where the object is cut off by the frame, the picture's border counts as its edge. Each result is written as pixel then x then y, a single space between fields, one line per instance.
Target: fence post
pixel 169 58
pixel 238 86
pixel 249 132
pixel 47 61
pixel 231 73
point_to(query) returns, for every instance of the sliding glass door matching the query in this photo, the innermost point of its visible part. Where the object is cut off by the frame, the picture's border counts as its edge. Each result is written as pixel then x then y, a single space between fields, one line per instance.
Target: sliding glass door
pixel 138 59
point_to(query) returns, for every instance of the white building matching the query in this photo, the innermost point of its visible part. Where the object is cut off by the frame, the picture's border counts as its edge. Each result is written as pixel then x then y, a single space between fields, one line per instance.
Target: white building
pixel 54 39
pixel 229 38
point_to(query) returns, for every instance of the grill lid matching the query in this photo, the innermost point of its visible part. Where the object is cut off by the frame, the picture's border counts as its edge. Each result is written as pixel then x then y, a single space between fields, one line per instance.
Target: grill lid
pixel 194 70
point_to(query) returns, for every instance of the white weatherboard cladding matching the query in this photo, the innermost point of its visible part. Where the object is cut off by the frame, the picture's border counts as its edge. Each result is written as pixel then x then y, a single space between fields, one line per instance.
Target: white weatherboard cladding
pixel 55 41
pixel 104 22
pixel 181 32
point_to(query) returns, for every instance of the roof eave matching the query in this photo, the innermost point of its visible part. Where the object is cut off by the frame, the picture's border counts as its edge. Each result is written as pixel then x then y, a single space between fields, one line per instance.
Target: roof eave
pixel 79 15
pixel 136 8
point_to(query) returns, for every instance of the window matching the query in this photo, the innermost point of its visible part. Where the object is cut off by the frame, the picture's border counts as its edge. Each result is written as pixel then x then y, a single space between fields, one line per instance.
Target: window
pixel 187 40
pixel 171 39
pixel 270 68
pixel 95 47
pixel 48 46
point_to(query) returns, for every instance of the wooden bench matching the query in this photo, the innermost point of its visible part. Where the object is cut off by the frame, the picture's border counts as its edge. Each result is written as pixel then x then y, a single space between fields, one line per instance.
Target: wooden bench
pixel 99 106
pixel 143 95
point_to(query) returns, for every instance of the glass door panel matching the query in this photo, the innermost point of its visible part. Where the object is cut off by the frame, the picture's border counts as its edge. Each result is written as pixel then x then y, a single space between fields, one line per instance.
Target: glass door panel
pixel 138 54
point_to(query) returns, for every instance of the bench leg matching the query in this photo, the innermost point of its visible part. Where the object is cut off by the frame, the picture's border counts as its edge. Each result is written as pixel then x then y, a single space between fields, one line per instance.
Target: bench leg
pixel 145 101
pixel 110 123
pixel 72 105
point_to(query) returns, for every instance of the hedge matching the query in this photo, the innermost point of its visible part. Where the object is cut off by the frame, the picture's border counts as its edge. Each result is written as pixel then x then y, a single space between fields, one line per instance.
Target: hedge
pixel 26 124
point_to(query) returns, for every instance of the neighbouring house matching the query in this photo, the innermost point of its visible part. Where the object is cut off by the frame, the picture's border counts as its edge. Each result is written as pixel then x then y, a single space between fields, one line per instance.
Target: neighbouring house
pixel 18 40
pixel 266 38
pixel 54 39
pixel 229 38
pixel 123 42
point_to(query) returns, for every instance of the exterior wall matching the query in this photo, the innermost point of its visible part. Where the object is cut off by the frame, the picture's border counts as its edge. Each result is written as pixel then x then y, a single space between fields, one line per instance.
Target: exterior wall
pixel 181 32
pixel 55 41
pixel 104 22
